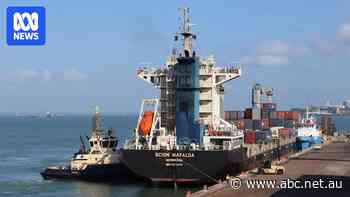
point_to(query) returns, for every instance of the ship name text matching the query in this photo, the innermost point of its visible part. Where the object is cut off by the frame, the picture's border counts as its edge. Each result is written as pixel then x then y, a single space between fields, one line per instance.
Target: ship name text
pixel 178 155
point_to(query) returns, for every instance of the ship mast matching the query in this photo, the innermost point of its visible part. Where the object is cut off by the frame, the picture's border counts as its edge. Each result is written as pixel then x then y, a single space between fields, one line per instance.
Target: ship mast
pixel 96 121
pixel 185 32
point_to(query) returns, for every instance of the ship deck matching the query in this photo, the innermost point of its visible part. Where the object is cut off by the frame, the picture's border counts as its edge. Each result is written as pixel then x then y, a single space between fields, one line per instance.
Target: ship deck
pixel 332 162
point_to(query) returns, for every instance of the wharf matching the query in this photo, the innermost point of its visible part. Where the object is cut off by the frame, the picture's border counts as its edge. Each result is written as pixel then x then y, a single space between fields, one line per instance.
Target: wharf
pixel 331 163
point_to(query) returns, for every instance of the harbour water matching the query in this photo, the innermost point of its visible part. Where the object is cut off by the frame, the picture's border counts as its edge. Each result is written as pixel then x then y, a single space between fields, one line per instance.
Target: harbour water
pixel 30 144
pixel 342 123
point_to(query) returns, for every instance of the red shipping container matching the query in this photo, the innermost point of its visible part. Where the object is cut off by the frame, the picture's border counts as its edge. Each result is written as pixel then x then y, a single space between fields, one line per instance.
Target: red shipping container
pixel 265 123
pixel 227 115
pixel 285 132
pixel 280 114
pixel 288 115
pixel 249 137
pixel 296 116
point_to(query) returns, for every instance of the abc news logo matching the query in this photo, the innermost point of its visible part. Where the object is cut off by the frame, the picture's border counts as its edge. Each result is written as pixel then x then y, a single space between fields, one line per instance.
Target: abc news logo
pixel 32 25
pixel 25 25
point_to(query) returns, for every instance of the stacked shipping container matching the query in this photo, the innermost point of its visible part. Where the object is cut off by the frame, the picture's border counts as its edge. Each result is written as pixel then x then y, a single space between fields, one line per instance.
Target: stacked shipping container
pixel 327 125
pixel 258 131
pixel 255 137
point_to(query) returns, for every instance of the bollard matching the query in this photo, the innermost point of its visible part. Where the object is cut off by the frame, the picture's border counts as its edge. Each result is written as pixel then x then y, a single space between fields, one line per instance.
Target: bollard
pixel 188 194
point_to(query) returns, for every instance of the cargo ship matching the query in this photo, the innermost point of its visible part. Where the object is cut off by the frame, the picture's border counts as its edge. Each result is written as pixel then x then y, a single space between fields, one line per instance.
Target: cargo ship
pixel 100 162
pixel 182 136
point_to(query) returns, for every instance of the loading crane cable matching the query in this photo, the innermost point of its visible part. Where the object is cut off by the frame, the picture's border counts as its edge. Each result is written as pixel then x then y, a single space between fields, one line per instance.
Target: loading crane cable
pixel 203 173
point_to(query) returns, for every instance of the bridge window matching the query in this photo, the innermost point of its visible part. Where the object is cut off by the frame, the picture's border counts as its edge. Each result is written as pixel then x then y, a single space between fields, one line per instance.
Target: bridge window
pixel 112 144
pixel 104 144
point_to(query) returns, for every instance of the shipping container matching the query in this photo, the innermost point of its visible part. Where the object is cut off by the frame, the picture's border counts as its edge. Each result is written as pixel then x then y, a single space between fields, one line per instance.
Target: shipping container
pixel 272 115
pixel 268 135
pixel 264 114
pixel 289 123
pixel 227 116
pixel 240 115
pixel 276 123
pixel 259 136
pixel 285 132
pixel 274 131
pixel 280 115
pixel 248 124
pixel 292 115
pixel 240 124
pixel 265 123
pixel 249 137
pixel 248 113
pixel 263 136
pixel 233 115
pixel 257 125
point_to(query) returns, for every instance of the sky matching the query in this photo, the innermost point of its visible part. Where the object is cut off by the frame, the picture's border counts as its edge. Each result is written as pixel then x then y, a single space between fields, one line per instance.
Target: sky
pixel 93 48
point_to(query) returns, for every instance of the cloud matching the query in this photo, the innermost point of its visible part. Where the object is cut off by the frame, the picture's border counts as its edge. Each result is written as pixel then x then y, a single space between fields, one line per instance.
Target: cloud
pixel 27 74
pixel 281 48
pixel 46 75
pixel 267 60
pixel 74 75
pixel 275 47
pixel 32 74
pixel 344 31
pixel 279 52
pixel 274 53
pixel 323 46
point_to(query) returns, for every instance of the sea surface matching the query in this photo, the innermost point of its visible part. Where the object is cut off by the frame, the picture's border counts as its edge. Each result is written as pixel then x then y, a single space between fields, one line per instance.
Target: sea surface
pixel 28 145
pixel 342 123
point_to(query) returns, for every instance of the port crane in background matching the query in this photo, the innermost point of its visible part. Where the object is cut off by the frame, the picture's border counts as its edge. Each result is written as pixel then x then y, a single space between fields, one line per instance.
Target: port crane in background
pixel 258 92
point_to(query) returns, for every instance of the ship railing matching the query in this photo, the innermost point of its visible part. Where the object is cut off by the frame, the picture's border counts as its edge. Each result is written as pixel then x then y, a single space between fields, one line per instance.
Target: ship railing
pixel 232 133
pixel 228 70
pixel 152 71
pixel 205 71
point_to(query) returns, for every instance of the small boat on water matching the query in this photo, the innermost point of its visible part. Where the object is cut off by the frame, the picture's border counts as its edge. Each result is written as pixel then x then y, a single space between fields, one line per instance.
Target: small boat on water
pixel 100 162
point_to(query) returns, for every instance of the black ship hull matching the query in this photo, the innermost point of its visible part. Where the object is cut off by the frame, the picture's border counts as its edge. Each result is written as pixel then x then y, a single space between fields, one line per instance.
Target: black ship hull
pixel 99 172
pixel 185 166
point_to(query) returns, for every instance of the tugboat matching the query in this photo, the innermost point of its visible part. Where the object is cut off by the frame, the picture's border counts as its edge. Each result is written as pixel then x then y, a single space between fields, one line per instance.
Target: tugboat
pixel 101 162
